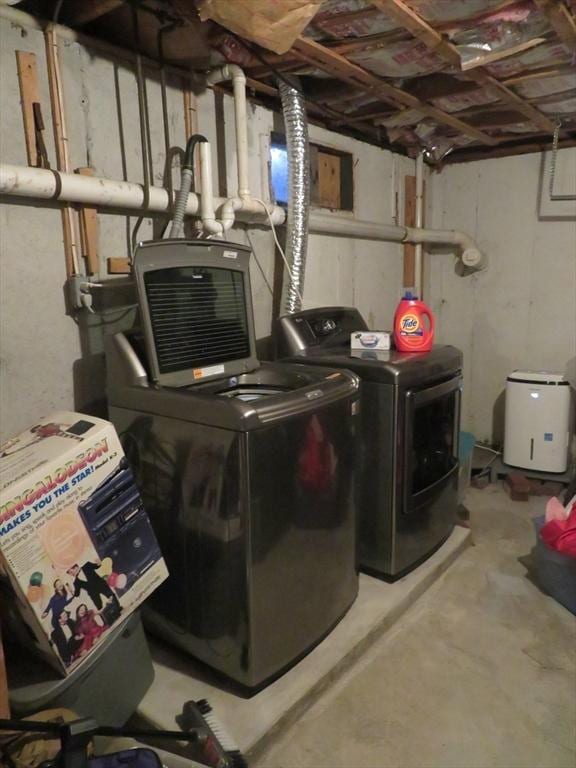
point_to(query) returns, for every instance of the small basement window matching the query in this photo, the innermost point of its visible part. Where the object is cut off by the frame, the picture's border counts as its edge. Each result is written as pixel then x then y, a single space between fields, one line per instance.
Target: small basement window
pixel 330 175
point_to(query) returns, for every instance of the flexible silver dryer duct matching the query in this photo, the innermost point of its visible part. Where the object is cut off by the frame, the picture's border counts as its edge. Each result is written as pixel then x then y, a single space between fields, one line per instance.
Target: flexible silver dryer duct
pixel 296 127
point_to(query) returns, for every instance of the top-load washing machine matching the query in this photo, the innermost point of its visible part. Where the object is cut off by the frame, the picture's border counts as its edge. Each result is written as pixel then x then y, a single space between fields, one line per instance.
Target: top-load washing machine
pixel 246 468
pixel 408 452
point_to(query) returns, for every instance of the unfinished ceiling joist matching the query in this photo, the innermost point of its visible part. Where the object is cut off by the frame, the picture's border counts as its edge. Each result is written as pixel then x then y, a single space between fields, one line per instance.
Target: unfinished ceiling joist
pixel 520 147
pixel 318 109
pixel 318 55
pixel 561 20
pixel 87 12
pixel 405 16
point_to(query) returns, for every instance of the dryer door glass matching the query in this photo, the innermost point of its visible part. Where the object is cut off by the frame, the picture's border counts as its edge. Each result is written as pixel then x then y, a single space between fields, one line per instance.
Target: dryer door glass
pixel 434 436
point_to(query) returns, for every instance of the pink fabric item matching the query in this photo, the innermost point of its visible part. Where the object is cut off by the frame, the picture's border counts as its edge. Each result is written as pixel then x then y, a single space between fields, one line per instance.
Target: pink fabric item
pixel 561 534
pixel 555 510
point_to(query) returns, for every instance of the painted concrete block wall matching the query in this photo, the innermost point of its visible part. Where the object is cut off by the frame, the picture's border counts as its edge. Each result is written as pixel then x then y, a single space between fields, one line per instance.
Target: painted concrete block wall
pixel 50 360
pixel 520 312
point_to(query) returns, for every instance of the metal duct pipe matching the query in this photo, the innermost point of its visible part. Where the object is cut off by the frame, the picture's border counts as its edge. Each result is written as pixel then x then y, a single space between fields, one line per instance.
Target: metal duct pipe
pixel 296 126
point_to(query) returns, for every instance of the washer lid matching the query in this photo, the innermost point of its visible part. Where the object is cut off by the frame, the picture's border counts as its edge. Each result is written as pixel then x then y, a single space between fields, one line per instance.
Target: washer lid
pixel 538 377
pixel 196 309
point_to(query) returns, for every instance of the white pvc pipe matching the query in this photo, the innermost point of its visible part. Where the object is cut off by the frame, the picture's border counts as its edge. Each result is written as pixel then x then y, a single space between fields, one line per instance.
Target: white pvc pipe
pixel 234 73
pixel 332 224
pixel 419 220
pixel 41 184
pixel 209 223
pixel 471 254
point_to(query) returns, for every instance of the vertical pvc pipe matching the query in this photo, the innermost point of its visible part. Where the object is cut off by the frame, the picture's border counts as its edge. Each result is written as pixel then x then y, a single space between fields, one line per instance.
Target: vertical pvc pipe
pixel 419 220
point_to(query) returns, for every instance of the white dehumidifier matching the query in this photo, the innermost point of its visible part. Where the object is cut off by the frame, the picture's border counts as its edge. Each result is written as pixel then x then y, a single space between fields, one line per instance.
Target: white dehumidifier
pixel 538 421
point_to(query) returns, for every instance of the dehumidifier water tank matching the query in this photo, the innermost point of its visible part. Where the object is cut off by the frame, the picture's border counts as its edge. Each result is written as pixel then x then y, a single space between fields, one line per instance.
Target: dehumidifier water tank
pixel 538 421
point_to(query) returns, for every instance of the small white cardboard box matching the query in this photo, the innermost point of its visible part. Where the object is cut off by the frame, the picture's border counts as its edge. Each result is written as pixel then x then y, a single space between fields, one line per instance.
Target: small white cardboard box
pixel 77 551
pixel 370 340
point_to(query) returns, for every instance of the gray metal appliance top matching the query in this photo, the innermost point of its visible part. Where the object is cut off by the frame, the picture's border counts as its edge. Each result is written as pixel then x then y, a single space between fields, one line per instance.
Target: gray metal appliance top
pixel 272 392
pixel 196 309
pixel 322 337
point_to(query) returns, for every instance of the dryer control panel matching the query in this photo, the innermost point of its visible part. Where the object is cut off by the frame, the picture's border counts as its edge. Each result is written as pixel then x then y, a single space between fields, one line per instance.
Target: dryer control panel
pixel 324 326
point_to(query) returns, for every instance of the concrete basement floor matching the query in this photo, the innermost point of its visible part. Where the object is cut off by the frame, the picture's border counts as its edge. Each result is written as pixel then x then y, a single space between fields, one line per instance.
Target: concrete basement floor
pixel 479 673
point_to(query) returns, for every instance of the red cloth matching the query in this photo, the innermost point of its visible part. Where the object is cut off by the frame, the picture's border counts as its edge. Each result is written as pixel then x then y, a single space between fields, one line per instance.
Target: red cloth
pixel 89 630
pixel 561 534
pixel 316 459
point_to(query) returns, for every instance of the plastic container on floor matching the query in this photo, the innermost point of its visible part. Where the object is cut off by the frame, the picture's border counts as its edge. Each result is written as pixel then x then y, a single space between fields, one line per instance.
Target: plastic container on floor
pixel 554 573
pixel 108 687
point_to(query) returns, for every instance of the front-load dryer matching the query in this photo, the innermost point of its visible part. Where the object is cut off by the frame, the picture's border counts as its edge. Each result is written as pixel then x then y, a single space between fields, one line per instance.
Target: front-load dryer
pixel 410 422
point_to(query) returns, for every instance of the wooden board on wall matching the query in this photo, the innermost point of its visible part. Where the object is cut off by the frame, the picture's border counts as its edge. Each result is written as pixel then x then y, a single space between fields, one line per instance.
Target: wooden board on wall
pixel 329 182
pixel 28 82
pixel 4 703
pixel 409 221
pixel 89 231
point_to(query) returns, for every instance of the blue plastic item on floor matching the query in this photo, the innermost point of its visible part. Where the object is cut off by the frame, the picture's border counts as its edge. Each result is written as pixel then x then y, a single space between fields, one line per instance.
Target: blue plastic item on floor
pixel 554 572
pixel 128 758
pixel 465 452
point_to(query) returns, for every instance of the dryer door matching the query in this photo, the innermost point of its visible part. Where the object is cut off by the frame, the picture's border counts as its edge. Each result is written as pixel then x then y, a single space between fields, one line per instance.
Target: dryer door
pixel 427 511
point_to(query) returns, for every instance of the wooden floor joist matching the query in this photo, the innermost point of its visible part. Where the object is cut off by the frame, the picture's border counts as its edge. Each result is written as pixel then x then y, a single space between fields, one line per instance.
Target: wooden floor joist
pixel 319 109
pixel 338 66
pixel 417 26
pixel 87 12
pixel 409 20
pixel 561 20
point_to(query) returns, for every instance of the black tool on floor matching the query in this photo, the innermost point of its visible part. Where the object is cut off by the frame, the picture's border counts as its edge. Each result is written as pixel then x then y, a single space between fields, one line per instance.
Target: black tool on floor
pixel 75 737
pixel 217 749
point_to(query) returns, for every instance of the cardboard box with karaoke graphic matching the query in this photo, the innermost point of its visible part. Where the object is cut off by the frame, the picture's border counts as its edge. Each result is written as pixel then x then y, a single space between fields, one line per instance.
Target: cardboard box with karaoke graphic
pixel 77 551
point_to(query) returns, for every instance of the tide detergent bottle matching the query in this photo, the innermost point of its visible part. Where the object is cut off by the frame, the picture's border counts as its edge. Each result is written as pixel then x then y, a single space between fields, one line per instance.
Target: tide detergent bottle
pixel 413 325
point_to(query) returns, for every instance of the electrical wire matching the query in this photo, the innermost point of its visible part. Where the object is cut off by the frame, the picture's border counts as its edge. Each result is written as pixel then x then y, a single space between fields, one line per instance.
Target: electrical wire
pixel 257 260
pixel 487 448
pixel 492 460
pixel 280 249
pixel 57 9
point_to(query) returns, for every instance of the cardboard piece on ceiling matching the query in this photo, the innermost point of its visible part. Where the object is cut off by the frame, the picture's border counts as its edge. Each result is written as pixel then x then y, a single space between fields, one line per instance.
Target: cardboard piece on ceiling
pixel 271 24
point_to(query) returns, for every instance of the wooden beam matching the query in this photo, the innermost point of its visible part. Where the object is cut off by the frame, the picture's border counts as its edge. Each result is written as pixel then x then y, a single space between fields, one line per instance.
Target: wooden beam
pixel 29 95
pixel 405 16
pixel 190 107
pixel 366 43
pixel 89 231
pixel 505 150
pixel 4 698
pixel 61 142
pixel 345 18
pixel 118 266
pixel 338 66
pixel 561 20
pixel 508 96
pixel 550 70
pixel 409 280
pixel 84 13
pixel 338 118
